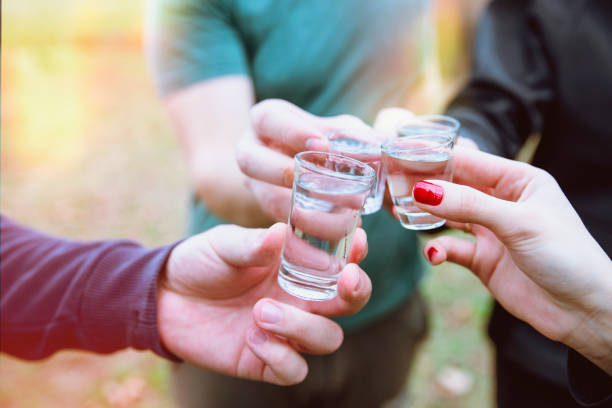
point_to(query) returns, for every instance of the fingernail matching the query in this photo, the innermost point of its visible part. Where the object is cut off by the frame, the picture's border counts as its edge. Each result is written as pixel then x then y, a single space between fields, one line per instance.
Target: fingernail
pixel 257 336
pixel 288 177
pixel 271 313
pixel 315 144
pixel 431 252
pixel 428 193
pixel 357 285
pixel 258 240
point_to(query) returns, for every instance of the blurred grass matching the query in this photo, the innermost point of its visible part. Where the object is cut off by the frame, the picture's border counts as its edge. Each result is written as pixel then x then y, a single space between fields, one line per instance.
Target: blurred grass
pixel 87 152
pixel 459 307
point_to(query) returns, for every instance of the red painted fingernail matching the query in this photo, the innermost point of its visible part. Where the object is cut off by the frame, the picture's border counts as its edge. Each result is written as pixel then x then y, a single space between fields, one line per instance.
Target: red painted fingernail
pixel 431 252
pixel 428 193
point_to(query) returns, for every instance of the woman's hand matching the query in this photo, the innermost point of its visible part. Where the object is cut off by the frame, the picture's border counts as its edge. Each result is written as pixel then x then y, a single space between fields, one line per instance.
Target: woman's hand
pixel 531 249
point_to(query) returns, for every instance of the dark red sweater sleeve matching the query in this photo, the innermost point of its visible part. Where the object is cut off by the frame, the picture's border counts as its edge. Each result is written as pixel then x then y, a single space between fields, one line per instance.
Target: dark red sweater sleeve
pixel 61 294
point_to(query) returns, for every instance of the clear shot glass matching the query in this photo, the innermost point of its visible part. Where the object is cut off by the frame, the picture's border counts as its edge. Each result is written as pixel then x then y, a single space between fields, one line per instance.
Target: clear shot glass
pixel 362 145
pixel 426 124
pixel 408 159
pixel 329 191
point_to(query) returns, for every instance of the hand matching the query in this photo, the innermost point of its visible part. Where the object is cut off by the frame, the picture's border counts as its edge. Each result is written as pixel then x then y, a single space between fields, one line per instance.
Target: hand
pixel 220 307
pixel 265 155
pixel 388 120
pixel 531 249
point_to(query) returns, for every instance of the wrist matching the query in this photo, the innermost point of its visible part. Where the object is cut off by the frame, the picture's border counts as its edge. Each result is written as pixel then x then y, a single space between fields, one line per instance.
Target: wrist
pixel 593 339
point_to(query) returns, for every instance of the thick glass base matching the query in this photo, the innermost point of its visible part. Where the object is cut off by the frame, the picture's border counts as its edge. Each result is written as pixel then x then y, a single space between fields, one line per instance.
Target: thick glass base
pixel 419 221
pixel 306 286
pixel 372 205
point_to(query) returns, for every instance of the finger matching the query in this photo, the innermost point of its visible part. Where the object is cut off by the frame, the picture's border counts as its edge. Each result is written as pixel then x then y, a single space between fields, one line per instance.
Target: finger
pixel 464 204
pixel 476 168
pixel 266 164
pixel 240 246
pixel 300 251
pixel 324 225
pixel 278 123
pixel 466 143
pixel 388 120
pixel 314 333
pixel 452 249
pixel 348 122
pixel 354 290
pixel 282 364
pixel 461 226
pixel 273 200
pixel 359 249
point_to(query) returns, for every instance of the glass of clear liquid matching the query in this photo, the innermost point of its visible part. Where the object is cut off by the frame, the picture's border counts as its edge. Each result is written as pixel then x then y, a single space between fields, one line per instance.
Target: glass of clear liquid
pixel 409 159
pixel 329 191
pixel 425 124
pixel 363 145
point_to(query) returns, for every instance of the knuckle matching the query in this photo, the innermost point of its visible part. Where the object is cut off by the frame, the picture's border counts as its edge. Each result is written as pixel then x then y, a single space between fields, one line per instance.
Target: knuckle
pixel 259 113
pixel 243 157
pixel 282 358
pixel 468 203
pixel 337 339
pixel 346 119
pixel 290 135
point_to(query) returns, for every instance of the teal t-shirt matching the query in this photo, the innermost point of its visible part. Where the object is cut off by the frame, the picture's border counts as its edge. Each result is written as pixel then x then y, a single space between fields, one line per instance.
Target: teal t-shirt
pixel 327 56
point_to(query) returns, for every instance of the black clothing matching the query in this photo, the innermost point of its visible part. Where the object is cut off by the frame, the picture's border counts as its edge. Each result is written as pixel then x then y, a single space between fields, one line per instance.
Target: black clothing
pixel 545 66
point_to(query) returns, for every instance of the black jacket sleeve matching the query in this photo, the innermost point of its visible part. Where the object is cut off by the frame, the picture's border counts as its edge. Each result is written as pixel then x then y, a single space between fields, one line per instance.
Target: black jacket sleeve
pixel 589 384
pixel 61 294
pixel 511 83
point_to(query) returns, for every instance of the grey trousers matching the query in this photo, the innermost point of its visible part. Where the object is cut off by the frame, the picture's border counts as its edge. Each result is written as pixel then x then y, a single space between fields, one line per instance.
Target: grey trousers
pixel 371 367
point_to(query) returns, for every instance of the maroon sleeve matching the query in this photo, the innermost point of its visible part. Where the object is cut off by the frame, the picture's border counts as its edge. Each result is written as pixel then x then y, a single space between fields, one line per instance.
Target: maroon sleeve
pixel 61 294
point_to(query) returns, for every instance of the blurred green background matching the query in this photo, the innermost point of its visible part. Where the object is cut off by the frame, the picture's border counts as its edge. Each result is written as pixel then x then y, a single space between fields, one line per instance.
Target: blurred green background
pixel 87 152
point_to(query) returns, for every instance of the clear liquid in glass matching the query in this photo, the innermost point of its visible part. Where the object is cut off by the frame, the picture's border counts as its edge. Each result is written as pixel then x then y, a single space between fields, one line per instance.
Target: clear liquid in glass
pixel 404 169
pixel 322 222
pixel 367 152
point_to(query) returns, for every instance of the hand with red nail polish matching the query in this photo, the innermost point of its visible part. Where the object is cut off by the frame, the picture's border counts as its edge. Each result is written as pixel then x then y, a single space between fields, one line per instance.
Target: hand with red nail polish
pixel 531 249
pixel 427 193
pixel 220 306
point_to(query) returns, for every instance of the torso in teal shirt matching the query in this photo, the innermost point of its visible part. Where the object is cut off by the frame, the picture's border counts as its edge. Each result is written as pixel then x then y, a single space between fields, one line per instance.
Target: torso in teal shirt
pixel 327 56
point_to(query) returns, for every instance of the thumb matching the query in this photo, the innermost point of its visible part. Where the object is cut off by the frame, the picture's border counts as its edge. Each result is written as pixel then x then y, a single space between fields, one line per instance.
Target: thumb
pixel 461 203
pixel 238 246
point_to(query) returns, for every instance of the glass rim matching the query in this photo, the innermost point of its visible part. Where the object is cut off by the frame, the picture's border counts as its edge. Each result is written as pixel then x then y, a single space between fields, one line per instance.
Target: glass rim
pixel 456 125
pixel 450 141
pixel 299 159
pixel 347 131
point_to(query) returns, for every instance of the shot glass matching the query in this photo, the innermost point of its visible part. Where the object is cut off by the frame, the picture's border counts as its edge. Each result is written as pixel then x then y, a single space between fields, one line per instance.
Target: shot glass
pixel 329 191
pixel 426 124
pixel 362 145
pixel 409 159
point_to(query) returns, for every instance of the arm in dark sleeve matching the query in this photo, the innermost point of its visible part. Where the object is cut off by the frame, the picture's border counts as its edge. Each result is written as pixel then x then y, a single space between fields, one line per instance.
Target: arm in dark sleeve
pixel 60 294
pixel 589 385
pixel 510 86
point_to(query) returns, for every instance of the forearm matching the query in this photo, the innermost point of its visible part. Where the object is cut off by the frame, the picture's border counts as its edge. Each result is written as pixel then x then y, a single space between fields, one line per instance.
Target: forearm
pixel 221 187
pixel 593 339
pixel 210 118
pixel 596 343
pixel 61 294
